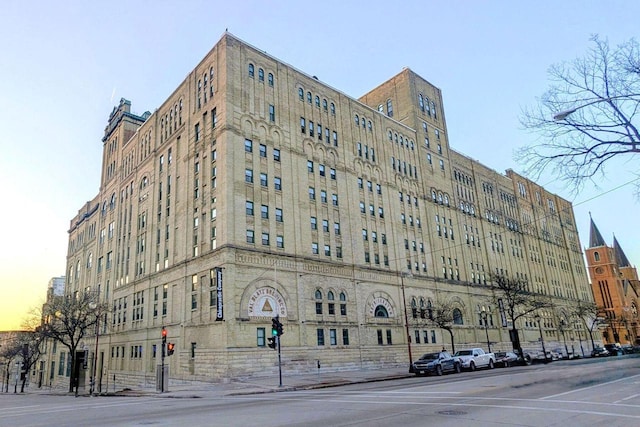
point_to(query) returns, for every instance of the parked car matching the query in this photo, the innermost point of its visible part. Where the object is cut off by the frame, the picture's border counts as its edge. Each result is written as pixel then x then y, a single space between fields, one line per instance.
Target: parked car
pixel 436 363
pixel 599 352
pixel 505 358
pixel 475 358
pixel 630 349
pixel 614 349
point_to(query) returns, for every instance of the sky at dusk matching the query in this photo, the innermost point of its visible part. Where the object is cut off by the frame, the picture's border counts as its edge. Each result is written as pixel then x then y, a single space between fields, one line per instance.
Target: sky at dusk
pixel 64 65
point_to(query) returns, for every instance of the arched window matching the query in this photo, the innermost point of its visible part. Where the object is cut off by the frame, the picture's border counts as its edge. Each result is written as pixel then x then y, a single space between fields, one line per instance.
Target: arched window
pixel 357 120
pixel 309 97
pixel 318 294
pixel 330 296
pixel 324 104
pixel 260 74
pixel 433 195
pixel 446 199
pixel 301 94
pixel 333 108
pixel 270 79
pixel 89 260
pixel 457 317
pixel 429 310
pixel 381 311
pixel 596 256
pixel 389 108
pixel 317 101
pixel 421 102
pixel 250 70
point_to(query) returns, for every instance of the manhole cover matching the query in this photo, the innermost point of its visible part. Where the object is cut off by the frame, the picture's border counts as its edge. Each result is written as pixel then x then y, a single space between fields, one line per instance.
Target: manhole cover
pixel 452 412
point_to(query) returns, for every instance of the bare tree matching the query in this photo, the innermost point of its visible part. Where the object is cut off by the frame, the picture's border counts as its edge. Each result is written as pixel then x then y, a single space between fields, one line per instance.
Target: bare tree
pixel 515 300
pixel 587 117
pixel 26 349
pixel 589 315
pixel 68 320
pixel 441 316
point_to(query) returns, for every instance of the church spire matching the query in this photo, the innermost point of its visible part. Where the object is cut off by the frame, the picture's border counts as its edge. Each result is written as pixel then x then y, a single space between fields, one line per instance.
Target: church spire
pixel 595 238
pixel 622 259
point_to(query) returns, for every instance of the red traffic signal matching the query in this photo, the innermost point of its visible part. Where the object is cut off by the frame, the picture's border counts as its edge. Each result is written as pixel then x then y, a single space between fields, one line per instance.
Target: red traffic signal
pixel 164 335
pixel 170 348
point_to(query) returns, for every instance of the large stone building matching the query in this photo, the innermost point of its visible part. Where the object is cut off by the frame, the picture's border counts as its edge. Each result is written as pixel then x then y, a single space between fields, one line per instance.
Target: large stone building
pixel 616 289
pixel 256 190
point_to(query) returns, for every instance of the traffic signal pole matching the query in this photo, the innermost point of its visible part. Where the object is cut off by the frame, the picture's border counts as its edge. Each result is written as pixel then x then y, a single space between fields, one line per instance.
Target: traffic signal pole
pixel 279 363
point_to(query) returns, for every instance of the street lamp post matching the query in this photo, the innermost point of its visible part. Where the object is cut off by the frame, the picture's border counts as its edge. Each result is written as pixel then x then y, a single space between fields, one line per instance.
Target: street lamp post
pixel 579 338
pixel 564 114
pixel 484 313
pixel 544 350
pixel 92 382
pixel 406 323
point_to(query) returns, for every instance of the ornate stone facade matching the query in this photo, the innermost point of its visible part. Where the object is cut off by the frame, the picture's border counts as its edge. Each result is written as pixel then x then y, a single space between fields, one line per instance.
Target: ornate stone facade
pixel 310 204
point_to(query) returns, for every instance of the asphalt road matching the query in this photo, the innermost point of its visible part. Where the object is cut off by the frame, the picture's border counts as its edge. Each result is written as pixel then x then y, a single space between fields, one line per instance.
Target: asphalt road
pixel 570 393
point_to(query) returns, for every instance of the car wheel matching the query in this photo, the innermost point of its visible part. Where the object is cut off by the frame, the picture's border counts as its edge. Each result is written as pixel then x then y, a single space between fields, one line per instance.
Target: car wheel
pixel 491 364
pixel 507 364
pixel 439 370
pixel 472 366
pixel 457 368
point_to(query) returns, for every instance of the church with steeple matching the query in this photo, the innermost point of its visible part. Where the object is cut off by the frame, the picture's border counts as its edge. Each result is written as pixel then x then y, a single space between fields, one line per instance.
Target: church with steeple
pixel 615 287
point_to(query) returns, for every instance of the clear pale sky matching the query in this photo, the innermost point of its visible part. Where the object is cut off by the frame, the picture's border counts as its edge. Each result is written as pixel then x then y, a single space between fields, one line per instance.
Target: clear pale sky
pixel 65 64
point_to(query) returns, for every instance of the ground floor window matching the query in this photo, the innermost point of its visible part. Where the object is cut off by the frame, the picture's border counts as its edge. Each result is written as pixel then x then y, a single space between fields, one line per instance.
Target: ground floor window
pixel 260 337
pixel 320 336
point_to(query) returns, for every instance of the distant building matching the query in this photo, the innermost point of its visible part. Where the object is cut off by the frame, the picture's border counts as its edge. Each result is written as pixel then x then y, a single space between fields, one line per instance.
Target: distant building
pixel 615 288
pixel 257 190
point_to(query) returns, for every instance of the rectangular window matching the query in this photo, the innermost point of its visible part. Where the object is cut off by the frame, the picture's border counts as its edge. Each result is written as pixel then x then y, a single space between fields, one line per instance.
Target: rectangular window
pixel 278 215
pixel 312 193
pixel 265 239
pixel 379 333
pixel 309 166
pixel 280 242
pixel 248 145
pixel 249 208
pixel 197 132
pixel 389 337
pixel 333 338
pixel 263 179
pixel 314 223
pixel 320 333
pixel 250 236
pixel 332 173
pixel 323 196
pixel 345 337
pixel 260 337
pixel 263 150
pixel 303 126
pixel 314 248
pixel 334 199
pixel 248 176
pixel 277 183
pixel 272 113
pixel 264 212
pixel 417 334
pixel 276 155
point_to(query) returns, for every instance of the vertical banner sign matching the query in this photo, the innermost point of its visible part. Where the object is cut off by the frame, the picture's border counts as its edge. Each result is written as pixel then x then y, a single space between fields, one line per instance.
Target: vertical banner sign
pixel 503 316
pixel 219 303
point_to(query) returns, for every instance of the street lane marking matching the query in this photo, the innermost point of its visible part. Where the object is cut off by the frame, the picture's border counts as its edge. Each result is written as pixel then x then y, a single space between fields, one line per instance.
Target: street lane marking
pixel 467 405
pixel 627 398
pixel 590 387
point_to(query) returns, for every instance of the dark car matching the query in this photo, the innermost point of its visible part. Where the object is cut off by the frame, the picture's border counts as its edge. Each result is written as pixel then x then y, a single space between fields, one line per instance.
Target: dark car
pixel 614 349
pixel 505 358
pixel 599 352
pixel 436 363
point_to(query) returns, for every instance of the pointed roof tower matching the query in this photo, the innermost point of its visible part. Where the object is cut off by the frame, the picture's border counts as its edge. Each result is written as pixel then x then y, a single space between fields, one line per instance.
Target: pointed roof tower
pixel 622 259
pixel 595 238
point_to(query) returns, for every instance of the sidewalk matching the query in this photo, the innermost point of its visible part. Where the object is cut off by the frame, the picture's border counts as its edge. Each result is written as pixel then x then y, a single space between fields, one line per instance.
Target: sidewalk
pixel 258 384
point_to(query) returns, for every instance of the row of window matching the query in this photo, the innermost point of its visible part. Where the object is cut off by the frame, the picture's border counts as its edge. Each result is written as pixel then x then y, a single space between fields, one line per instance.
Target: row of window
pixel 322 170
pixel 313 130
pixel 326 106
pixel 365 123
pixel 251 71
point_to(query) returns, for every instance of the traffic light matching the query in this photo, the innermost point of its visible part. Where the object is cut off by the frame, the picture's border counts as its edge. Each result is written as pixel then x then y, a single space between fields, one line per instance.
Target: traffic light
pixel 170 347
pixel 272 342
pixel 164 336
pixel 276 326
